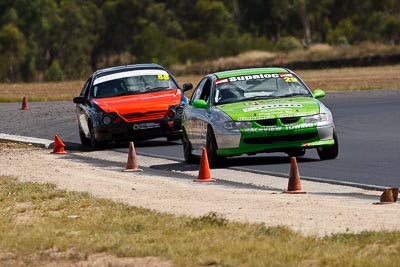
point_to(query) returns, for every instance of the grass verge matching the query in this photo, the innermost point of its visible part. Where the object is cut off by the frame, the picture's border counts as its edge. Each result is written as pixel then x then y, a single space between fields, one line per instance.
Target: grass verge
pixel 386 77
pixel 38 218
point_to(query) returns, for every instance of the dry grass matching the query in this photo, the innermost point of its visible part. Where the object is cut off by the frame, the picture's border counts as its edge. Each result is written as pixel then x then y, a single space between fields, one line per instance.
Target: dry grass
pixel 325 51
pixel 44 226
pixel 44 91
pixel 12 145
pixel 246 59
pixel 366 78
pixel 316 52
pixel 387 77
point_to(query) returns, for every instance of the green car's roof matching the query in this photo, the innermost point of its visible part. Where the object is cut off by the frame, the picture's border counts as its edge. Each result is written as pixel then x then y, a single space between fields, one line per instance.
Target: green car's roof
pixel 242 72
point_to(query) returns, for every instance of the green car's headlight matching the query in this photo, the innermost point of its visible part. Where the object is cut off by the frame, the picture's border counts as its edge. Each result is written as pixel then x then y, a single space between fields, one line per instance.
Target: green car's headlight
pixel 236 125
pixel 321 119
pixel 324 118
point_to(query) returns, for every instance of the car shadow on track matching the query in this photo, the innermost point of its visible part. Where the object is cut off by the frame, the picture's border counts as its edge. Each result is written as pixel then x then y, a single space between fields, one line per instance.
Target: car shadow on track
pixel 264 160
pixel 235 162
pixel 83 148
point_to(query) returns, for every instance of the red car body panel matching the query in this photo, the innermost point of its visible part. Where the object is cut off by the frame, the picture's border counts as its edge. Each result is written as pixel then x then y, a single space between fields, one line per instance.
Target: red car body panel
pixel 141 107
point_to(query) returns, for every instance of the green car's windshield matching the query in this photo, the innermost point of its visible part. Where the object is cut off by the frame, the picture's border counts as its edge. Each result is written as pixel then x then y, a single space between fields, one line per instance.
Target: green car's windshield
pixel 138 84
pixel 258 87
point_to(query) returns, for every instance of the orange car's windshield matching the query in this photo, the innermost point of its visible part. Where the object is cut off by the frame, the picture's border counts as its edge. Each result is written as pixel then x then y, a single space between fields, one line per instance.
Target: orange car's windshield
pixel 133 85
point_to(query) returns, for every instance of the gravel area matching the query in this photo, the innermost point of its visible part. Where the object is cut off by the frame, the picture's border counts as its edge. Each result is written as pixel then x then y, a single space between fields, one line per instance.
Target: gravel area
pixel 325 209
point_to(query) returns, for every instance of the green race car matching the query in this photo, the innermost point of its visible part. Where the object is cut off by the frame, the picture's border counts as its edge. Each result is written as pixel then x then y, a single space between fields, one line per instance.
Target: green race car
pixel 256 110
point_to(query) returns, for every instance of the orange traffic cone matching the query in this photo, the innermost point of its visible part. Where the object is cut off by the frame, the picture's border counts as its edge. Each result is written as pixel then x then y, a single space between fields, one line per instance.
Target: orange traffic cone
pixel 294 185
pixel 25 105
pixel 58 146
pixel 389 196
pixel 132 165
pixel 204 171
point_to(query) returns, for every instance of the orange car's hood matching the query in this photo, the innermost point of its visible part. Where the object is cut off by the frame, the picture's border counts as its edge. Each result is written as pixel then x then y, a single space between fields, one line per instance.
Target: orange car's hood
pixel 140 103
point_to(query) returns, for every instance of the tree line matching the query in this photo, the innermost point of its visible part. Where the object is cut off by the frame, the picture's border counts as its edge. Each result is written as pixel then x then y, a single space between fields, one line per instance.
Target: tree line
pixel 68 39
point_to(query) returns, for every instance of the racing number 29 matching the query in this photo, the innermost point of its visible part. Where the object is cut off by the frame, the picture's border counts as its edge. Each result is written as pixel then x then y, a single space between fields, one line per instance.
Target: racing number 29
pixel 290 79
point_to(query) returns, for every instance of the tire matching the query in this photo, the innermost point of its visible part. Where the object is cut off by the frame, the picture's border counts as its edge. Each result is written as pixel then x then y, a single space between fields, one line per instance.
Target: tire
pixel 329 152
pixel 93 142
pixel 187 150
pixel 214 160
pixel 84 141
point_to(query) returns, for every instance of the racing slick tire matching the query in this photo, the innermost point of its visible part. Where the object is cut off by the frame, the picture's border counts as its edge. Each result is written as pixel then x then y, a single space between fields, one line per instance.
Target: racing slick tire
pixel 329 152
pixel 187 150
pixel 84 140
pixel 93 142
pixel 214 160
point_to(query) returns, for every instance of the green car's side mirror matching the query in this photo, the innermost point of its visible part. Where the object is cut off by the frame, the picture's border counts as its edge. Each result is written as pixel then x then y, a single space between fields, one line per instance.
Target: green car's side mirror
pixel 200 103
pixel 318 93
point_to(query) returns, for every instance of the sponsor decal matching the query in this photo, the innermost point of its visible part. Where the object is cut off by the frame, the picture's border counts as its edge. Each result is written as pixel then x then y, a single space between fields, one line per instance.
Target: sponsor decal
pixel 285 113
pixel 264 117
pixel 126 74
pixel 221 81
pixel 280 128
pixel 147 125
pixel 257 76
pixel 277 106
pixel 253 77
pixel 288 77
pixel 262 102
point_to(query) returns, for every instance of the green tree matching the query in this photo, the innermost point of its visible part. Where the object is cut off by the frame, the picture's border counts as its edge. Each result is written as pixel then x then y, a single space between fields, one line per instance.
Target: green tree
pixel 13 50
pixel 74 38
pixel 124 20
pixel 54 72
pixel 149 46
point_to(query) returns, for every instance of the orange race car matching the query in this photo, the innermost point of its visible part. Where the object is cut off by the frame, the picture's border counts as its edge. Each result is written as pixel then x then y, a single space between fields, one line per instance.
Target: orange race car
pixel 127 103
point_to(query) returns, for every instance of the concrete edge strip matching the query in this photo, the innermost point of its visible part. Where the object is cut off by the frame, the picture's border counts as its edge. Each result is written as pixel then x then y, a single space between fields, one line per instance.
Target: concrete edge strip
pixel 319 180
pixel 277 174
pixel 45 143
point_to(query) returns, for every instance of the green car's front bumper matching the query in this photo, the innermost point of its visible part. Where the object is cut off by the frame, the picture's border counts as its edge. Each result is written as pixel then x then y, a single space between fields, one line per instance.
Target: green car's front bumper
pixel 247 142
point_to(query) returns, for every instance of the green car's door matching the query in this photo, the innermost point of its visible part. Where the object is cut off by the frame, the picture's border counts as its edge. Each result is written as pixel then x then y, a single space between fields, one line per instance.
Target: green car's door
pixel 197 114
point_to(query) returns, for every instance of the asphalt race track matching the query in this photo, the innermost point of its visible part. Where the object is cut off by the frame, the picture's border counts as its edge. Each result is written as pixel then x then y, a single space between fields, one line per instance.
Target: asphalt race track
pixel 367 124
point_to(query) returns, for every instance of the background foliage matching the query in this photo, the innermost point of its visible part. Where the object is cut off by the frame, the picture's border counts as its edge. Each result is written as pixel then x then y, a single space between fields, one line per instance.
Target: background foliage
pixel 68 39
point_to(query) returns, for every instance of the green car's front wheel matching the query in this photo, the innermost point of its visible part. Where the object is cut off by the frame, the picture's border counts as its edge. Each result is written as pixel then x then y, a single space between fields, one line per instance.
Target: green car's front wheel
pixel 329 152
pixel 214 159
pixel 187 149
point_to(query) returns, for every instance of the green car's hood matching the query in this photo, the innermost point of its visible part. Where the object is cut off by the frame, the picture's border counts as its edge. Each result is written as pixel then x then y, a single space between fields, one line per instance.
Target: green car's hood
pixel 271 108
